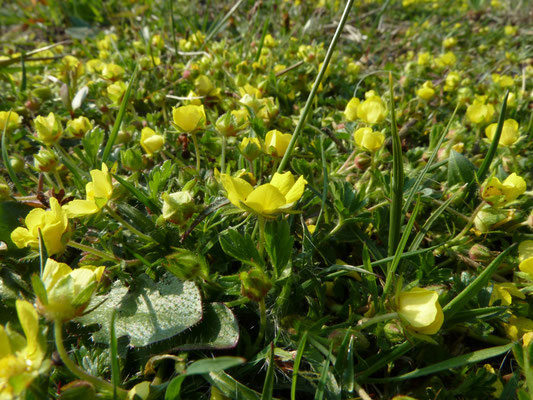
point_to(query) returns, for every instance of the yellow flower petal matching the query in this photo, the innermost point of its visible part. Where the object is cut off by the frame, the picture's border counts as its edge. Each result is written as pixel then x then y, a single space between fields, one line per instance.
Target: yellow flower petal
pixel 420 308
pixel 265 199
pixel 5 346
pixel 296 191
pixel 81 208
pixel 238 189
pixel 29 320
pixel 284 182
pixel 189 118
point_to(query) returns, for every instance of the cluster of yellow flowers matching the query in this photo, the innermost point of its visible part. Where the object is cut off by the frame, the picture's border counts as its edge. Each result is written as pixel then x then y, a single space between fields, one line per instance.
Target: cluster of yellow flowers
pixel 371 111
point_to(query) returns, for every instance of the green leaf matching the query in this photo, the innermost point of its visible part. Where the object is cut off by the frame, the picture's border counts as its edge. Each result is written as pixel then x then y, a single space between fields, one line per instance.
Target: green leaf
pixel 454 362
pixel 240 247
pixel 113 345
pixel 278 244
pixel 321 387
pixel 460 169
pixel 148 313
pixel 91 144
pixel 39 289
pixel 481 281
pixel 213 365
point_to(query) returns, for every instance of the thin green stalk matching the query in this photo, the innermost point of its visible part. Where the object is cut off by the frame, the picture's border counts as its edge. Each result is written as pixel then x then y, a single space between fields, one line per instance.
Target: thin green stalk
pixel 395 222
pixel 262 322
pixel 376 320
pixel 314 89
pixel 90 250
pixel 97 382
pixel 7 162
pixel 196 151
pixel 130 227
pixel 261 222
pixel 223 155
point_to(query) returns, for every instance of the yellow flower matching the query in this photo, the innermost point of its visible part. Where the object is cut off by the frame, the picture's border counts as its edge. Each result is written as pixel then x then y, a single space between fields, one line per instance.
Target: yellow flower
pixel 49 129
pixel 369 139
pixel 527 266
pixel 21 357
pixel 525 250
pixel 479 113
pixel 204 86
pixel 509 132
pixel 498 193
pixel 178 207
pixel 510 30
pixel 421 310
pixel 95 65
pixel 53 224
pixel 269 199
pixel 502 80
pixel 250 148
pixel 424 58
pixel 372 110
pixel 350 112
pixel 14 120
pixel 505 292
pixel 151 142
pixel 449 42
pixel 78 127
pixel 70 65
pixel 517 327
pixel 276 143
pixel 67 291
pixel 189 118
pixel 252 91
pixel 230 123
pixel 426 91
pixel 98 193
pixel 115 91
pixel 446 60
pixel 112 72
pixel 452 80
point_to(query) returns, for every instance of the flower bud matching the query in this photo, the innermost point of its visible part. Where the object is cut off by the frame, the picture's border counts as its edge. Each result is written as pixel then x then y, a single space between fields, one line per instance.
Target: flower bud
pixel 45 160
pixel 189 118
pixel 49 129
pixel 112 72
pixel 372 110
pixel 255 284
pixel 480 253
pixel 131 159
pixel 66 292
pixel 16 163
pixel 276 143
pixel 151 142
pixel 12 123
pixel 178 207
pixel 115 92
pixel 250 148
pixel 369 139
pixel 78 127
pixel 421 310
pixel 42 93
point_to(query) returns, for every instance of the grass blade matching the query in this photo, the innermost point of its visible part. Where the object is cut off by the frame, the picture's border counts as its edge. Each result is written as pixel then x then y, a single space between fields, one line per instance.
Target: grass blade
pixel 454 362
pixel 397 256
pixel 395 225
pixel 321 389
pixel 484 168
pixel 115 371
pixel 297 362
pixel 120 116
pixel 219 25
pixel 7 163
pixel 138 194
pixel 314 89
pixel 268 386
pixel 379 361
pixel 471 290
pixel 416 186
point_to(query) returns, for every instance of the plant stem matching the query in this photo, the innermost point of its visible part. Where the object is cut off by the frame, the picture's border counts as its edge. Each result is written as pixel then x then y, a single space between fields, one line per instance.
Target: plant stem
pixel 261 221
pixel 223 155
pixel 95 252
pixel 97 382
pixel 375 320
pixel 314 89
pixel 262 322
pixel 196 151
pixel 130 227
pixel 468 224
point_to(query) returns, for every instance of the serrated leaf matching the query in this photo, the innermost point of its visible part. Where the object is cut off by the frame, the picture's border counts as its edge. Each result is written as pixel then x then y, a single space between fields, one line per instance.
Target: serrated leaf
pixel 460 169
pixel 240 247
pixel 149 313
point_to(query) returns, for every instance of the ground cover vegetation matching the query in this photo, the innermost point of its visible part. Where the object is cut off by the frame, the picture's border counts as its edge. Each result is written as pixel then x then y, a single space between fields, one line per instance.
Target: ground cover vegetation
pixel 266 199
